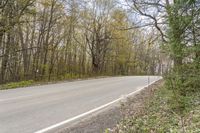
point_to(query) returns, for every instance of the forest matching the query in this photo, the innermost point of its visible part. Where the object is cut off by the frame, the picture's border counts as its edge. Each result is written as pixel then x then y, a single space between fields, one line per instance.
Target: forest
pixel 174 107
pixel 61 39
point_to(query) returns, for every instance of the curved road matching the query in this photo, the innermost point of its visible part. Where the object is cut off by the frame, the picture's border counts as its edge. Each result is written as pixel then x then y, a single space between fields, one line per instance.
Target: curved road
pixel 31 109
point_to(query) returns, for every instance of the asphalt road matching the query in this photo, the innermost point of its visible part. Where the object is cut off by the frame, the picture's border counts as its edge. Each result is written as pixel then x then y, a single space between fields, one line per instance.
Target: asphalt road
pixel 27 110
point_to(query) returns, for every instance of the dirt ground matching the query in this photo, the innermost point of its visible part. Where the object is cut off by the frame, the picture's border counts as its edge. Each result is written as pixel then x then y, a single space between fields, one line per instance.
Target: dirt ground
pixel 109 117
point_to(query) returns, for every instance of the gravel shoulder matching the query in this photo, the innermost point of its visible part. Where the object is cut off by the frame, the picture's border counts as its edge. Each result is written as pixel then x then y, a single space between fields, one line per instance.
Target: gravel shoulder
pixel 109 117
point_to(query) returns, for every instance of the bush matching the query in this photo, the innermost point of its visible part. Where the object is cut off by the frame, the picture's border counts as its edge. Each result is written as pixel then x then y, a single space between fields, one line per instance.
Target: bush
pixel 184 83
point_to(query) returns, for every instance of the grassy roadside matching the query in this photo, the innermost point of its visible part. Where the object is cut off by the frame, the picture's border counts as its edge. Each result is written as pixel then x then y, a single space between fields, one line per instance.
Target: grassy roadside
pixel 14 85
pixel 157 116
pixel 28 83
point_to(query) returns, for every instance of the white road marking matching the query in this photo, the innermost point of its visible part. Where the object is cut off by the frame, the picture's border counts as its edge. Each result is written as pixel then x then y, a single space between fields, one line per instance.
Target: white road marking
pixel 91 111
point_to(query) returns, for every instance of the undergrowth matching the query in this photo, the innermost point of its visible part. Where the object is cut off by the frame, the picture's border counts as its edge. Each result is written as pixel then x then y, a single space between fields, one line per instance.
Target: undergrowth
pixel 157 116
